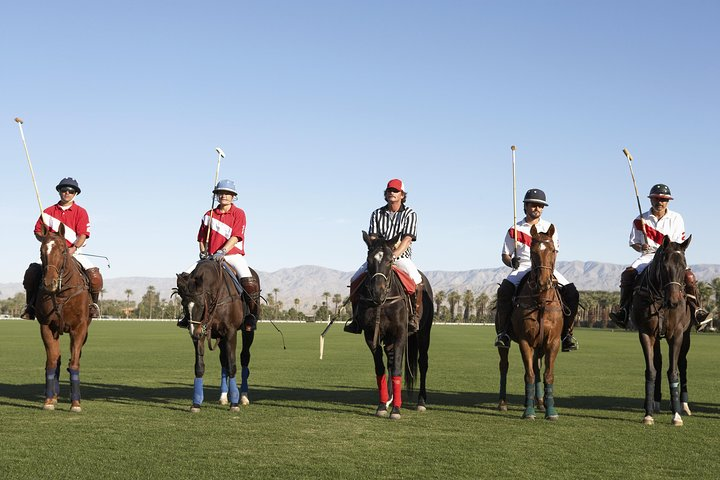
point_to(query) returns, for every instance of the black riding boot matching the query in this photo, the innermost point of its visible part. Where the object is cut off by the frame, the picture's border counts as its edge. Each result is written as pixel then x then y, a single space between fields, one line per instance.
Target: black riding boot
pixel 182 279
pixel 571 301
pixel 414 323
pixel 353 326
pixel 692 293
pixel 31 282
pixel 96 286
pixel 627 285
pixel 504 308
pixel 252 290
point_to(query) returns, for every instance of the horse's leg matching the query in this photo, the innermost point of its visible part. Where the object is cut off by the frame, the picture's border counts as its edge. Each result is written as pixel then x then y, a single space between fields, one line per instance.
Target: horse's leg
pixel 199 372
pixel 77 340
pixel 223 374
pixel 682 370
pixel 551 352
pixel 230 344
pixel 52 366
pixel 381 377
pixel 657 362
pixel 395 363
pixel 528 357
pixel 503 365
pixel 247 341
pixel 648 346
pixel 539 394
pixel 423 347
pixel 675 344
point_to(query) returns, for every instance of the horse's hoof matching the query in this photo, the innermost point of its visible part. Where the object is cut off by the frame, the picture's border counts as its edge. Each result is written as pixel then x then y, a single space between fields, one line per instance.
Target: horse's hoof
pixel 234 408
pixel 677 420
pixel 686 409
pixel 421 408
pixel 528 417
pixel 75 407
pixel 552 418
pixel 540 408
pixel 244 400
pixel 395 415
pixel 502 406
pixel 195 409
pixel 381 411
pixel 648 420
pixel 48 406
pixel 223 398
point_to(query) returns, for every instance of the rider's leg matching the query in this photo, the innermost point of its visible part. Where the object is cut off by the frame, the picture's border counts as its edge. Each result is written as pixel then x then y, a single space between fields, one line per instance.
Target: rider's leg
pixel 504 307
pixel 182 290
pixel 692 293
pixel 353 326
pixel 96 286
pixel 414 323
pixel 627 284
pixel 571 301
pixel 251 285
pixel 31 282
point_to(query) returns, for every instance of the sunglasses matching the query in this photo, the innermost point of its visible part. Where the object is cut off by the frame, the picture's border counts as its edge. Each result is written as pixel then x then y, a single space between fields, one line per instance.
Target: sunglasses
pixel 71 191
pixel 392 190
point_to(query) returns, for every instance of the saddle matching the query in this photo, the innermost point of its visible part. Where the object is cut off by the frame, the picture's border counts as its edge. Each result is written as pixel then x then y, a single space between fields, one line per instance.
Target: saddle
pixel 405 280
pixel 234 277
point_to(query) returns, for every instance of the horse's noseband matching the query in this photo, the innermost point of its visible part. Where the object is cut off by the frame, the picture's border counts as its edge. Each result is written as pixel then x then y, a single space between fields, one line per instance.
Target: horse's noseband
pixel 381 300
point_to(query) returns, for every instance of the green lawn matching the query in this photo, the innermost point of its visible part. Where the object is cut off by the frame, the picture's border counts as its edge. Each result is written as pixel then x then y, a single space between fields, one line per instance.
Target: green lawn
pixel 312 418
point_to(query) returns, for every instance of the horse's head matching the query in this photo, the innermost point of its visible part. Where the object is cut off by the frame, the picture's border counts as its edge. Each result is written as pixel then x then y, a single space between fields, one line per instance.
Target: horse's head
pixel 198 292
pixel 542 258
pixel 670 264
pixel 379 265
pixel 54 255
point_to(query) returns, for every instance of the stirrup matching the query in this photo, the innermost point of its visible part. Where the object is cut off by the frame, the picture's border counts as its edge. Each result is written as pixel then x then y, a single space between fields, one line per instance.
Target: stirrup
pixel 569 343
pixel 502 340
pixel 351 326
pixel 620 317
pixel 701 326
pixel 28 314
pixel 94 310
pixel 183 322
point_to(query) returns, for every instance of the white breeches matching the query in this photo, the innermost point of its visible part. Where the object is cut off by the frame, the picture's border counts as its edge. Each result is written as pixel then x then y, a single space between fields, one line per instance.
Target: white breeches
pixel 404 264
pixel 642 262
pixel 517 275
pixel 84 260
pixel 237 261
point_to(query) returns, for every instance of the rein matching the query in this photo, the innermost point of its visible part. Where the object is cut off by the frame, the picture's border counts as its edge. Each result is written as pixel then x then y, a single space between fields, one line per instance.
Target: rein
pixel 57 297
pixel 210 303
pixel 390 283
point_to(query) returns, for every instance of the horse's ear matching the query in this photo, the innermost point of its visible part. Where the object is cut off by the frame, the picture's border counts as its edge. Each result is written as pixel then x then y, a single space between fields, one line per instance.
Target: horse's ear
pixel 44 229
pixel 686 243
pixel 61 230
pixel 666 241
pixel 393 242
pixel 367 238
pixel 533 231
pixel 551 230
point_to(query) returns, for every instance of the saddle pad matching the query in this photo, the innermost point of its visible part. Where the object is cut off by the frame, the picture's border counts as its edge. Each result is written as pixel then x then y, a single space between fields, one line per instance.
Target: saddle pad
pixel 407 282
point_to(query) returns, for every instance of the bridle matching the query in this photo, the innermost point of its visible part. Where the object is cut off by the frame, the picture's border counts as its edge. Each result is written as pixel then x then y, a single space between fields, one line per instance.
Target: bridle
pixel 654 277
pixel 210 301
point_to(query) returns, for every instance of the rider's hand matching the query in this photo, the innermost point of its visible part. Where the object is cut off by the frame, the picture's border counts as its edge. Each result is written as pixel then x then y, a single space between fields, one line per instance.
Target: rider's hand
pixel 515 263
pixel 645 247
pixel 218 255
pixel 203 255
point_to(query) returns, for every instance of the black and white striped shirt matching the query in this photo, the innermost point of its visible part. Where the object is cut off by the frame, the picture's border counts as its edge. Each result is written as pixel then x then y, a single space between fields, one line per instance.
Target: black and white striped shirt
pixel 389 224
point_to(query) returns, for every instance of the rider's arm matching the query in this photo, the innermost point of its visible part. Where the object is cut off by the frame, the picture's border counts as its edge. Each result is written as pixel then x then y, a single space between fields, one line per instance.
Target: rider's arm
pixel 230 243
pixel 79 242
pixel 404 244
pixel 507 260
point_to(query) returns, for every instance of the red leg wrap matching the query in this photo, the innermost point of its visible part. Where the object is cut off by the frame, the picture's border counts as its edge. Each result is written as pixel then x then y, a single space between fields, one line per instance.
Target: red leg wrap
pixel 382 387
pixel 397 391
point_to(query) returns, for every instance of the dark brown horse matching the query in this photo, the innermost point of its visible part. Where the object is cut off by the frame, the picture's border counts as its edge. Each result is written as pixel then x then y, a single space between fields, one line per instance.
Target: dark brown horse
pixel 218 311
pixel 660 310
pixel 61 306
pixel 537 321
pixel 383 313
pixel 682 371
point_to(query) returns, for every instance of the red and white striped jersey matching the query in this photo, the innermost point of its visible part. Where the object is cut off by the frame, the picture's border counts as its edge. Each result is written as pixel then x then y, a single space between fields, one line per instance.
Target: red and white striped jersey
pixel 224 225
pixel 75 218
pixel 524 239
pixel 671 225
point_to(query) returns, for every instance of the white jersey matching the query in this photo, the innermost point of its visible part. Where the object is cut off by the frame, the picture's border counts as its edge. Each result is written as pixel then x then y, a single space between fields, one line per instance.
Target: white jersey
pixel 670 225
pixel 524 240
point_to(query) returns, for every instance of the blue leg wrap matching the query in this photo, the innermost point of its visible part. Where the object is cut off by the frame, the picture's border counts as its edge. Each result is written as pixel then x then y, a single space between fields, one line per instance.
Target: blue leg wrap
pixel 57 378
pixel 224 381
pixel 74 385
pixel 198 391
pixel 244 383
pixel 50 380
pixel 234 393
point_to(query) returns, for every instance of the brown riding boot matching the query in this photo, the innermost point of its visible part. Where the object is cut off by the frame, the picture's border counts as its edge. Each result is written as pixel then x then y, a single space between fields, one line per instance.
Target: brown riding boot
pixel 96 286
pixel 182 291
pixel 571 301
pixel 414 323
pixel 692 293
pixel 251 285
pixel 627 285
pixel 31 282
pixel 503 312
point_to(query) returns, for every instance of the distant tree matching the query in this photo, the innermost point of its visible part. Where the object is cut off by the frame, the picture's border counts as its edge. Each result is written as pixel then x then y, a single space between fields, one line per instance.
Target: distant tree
pixel 481 302
pixel 439 299
pixel 326 296
pixel 453 300
pixel 149 301
pixel 467 299
pixel 337 300
pixel 128 292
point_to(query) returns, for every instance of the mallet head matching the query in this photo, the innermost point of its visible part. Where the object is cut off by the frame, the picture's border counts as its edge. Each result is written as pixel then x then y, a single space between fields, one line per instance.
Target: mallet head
pixel 627 154
pixel 19 120
pixel 512 147
pixel 220 152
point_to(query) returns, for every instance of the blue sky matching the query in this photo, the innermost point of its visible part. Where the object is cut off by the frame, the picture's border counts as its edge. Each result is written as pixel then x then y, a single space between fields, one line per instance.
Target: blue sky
pixel 317 104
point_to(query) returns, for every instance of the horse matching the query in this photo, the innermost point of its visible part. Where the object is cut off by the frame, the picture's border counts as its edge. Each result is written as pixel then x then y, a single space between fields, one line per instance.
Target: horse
pixel 660 309
pixel 217 311
pixel 383 312
pixel 537 321
pixel 682 371
pixel 62 305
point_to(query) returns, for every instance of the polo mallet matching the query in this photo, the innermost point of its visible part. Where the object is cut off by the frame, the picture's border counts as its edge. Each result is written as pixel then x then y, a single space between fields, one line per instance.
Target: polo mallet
pixel 221 155
pixel 512 148
pixel 97 256
pixel 19 121
pixel 332 320
pixel 637 195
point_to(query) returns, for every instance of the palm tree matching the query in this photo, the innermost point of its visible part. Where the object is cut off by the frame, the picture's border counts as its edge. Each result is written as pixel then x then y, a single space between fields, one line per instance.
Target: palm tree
pixel 481 302
pixel 337 300
pixel 467 299
pixel 453 300
pixel 326 296
pixel 439 299
pixel 128 292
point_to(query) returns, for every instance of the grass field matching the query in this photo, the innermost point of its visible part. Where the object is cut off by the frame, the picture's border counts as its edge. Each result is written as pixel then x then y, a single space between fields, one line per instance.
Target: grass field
pixel 312 418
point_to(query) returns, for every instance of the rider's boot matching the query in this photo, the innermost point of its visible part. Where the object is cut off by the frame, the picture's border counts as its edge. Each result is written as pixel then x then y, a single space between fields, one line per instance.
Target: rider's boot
pixel 96 286
pixel 692 293
pixel 31 282
pixel 627 284
pixel 414 322
pixel 571 301
pixel 353 326
pixel 182 279
pixel 251 285
pixel 505 293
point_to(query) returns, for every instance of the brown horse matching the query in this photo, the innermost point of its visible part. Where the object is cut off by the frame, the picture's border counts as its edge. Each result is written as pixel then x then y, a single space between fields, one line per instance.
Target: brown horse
pixel 537 321
pixel 61 306
pixel 383 312
pixel 218 311
pixel 660 310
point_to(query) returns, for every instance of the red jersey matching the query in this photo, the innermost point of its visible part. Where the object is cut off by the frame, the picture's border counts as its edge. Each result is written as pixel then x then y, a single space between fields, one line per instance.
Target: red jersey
pixel 75 218
pixel 224 226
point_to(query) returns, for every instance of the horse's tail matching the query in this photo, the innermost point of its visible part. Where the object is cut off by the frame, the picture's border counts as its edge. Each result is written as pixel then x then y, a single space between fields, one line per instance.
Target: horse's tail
pixel 411 362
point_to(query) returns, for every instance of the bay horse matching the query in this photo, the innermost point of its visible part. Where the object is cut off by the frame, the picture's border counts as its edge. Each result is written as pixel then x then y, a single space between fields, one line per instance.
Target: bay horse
pixel 383 312
pixel 62 305
pixel 217 311
pixel 537 321
pixel 660 310
pixel 682 372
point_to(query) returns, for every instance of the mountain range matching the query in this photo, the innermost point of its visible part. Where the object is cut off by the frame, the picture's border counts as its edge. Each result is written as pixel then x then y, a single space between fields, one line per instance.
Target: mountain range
pixel 309 282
